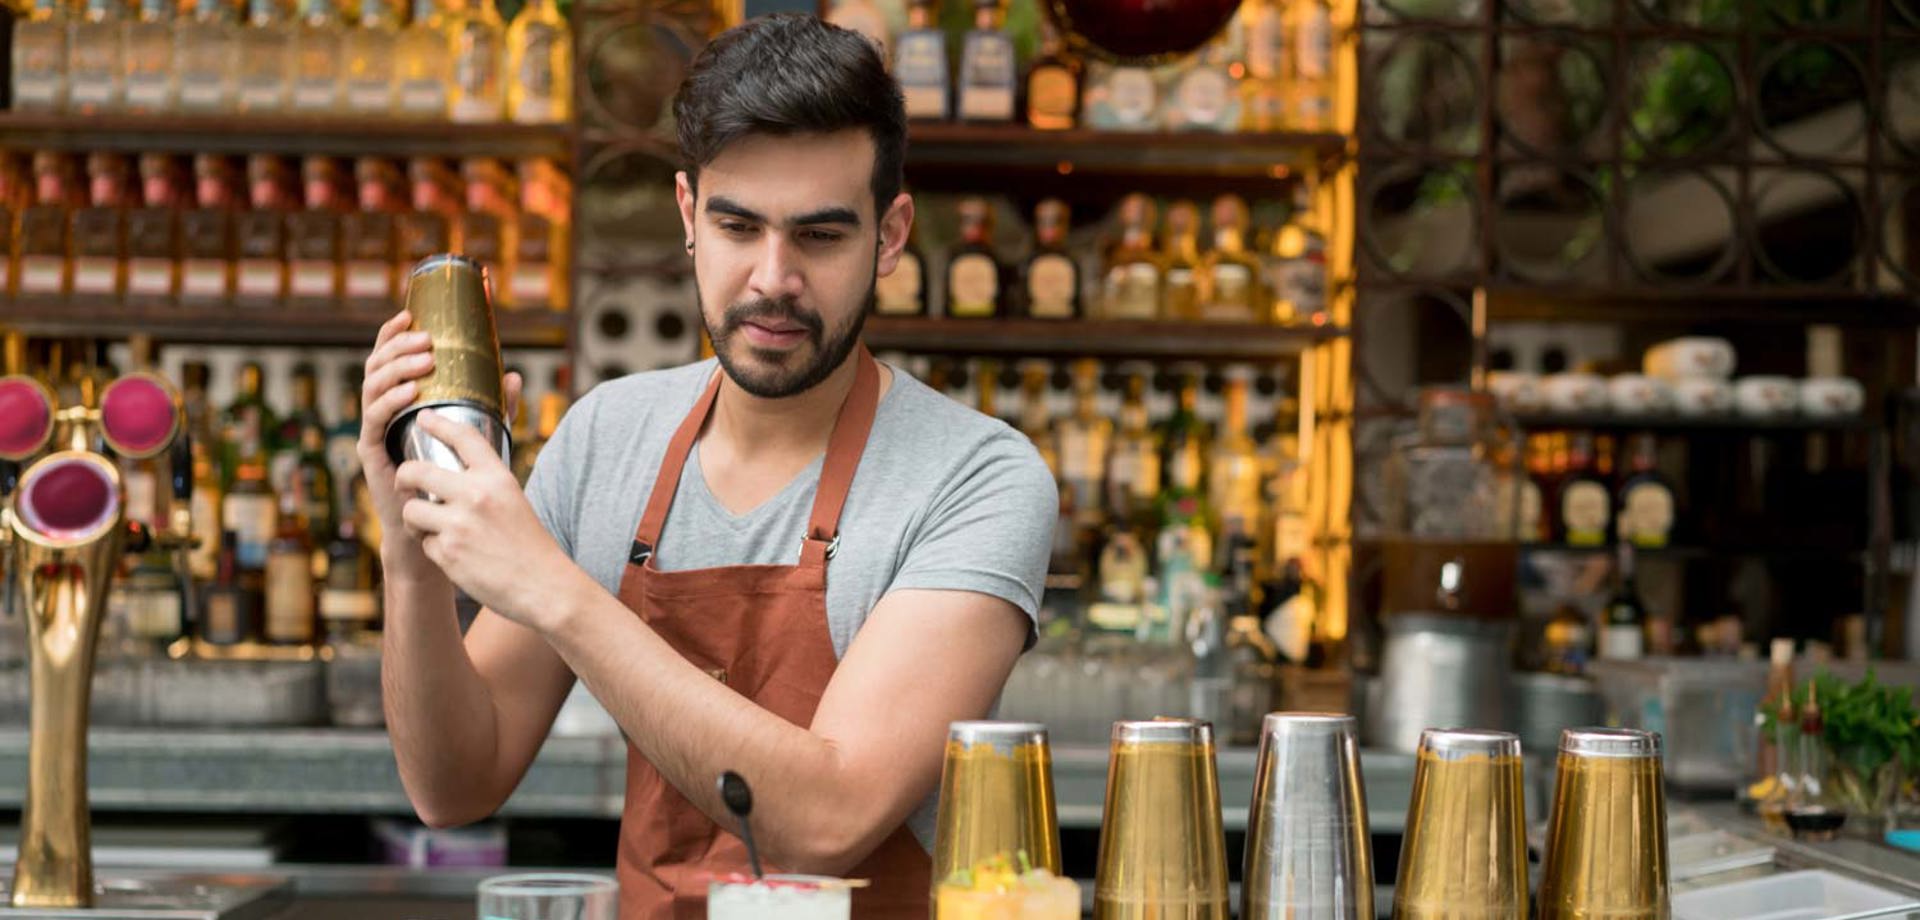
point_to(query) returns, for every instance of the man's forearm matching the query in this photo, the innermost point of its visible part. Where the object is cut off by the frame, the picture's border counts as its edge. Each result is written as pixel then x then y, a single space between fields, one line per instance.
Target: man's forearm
pixel 440 713
pixel 807 814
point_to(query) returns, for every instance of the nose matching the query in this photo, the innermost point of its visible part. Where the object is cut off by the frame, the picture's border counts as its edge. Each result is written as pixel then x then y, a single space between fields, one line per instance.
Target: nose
pixel 777 270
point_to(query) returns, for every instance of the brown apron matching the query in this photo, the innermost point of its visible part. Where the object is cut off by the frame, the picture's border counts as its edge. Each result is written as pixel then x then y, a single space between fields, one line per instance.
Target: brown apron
pixel 762 630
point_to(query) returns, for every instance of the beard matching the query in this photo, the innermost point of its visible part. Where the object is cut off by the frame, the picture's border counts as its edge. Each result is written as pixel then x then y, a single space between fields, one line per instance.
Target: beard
pixel 772 374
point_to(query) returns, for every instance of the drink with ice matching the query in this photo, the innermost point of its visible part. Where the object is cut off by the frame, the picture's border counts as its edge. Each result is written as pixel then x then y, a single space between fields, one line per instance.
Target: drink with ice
pixel 996 890
pixel 789 897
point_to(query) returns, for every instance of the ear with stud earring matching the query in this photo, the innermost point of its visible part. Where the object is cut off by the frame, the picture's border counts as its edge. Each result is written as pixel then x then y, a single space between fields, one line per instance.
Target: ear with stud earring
pixel 689 245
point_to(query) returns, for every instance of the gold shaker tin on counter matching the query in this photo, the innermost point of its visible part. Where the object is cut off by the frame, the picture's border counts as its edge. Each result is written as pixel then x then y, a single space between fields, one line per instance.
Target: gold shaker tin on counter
pixel 449 298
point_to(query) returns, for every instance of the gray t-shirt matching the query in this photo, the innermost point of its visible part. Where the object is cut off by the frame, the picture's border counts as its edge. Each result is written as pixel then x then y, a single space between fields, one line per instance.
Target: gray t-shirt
pixel 944 499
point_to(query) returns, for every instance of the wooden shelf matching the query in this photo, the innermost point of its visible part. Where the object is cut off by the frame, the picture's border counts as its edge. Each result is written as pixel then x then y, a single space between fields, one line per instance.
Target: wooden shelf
pixel 236 134
pixel 1679 424
pixel 1697 553
pixel 1705 308
pixel 1094 338
pixel 1017 148
pixel 250 325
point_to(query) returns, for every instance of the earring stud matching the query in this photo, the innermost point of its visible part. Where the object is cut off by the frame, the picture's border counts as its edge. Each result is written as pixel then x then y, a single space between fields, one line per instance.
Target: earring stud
pixel 689 245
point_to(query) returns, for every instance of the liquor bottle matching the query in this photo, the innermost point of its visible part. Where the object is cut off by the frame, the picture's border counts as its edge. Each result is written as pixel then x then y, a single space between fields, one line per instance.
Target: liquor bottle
pixel 426 230
pixel 1134 270
pixel 370 52
pixel 1183 444
pixel 1083 442
pixel 349 601
pixel 315 493
pixel 266 59
pixel 1133 466
pixel 1623 632
pixel 1036 418
pixel 1203 97
pixel 248 510
pixel 367 236
pixel 153 234
pixel 245 426
pixel 260 234
pixel 290 594
pixel 1263 101
pixel 1234 479
pixel 1645 509
pixel 40 265
pixel 1052 277
pixel 40 58
pixel 342 449
pixel 1053 84
pixel 146 54
pixel 537 273
pixel 231 612
pixel 1585 504
pixel 95 77
pixel 1182 259
pixel 99 230
pixel 974 290
pixel 154 602
pixel 313 237
pixel 987 68
pixel 318 45
pixel 481 230
pixel 1229 277
pixel 903 292
pixel 289 434
pixel 1297 269
pixel 1120 98
pixel 479 49
pixel 208 247
pixel 1310 83
pixel 921 63
pixel 208 504
pixel 540 65
pixel 866 18
pixel 425 64
pixel 206 55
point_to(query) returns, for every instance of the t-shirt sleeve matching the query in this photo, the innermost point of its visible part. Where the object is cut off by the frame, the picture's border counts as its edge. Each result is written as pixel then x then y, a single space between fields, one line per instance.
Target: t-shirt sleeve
pixel 990 530
pixel 557 471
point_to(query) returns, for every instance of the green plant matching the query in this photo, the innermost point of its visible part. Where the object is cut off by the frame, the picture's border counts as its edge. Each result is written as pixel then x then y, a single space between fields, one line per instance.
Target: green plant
pixel 1872 731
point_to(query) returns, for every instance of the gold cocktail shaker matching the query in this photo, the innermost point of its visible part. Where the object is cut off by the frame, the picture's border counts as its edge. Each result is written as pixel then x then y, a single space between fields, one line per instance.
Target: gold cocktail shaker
pixel 1163 847
pixel 449 298
pixel 1606 853
pixel 1464 855
pixel 996 798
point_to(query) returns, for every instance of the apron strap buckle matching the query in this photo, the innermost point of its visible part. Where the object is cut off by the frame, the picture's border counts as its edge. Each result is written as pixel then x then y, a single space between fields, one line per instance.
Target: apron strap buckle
pixel 833 545
pixel 640 553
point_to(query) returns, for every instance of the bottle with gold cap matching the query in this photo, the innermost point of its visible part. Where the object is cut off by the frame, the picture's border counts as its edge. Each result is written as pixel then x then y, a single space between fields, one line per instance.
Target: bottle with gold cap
pixel 1229 277
pixel 974 289
pixel 1182 256
pixel 1134 271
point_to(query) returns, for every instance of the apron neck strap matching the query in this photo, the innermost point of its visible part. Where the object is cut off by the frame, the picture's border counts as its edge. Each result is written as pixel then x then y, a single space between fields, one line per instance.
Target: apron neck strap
pixel 844 449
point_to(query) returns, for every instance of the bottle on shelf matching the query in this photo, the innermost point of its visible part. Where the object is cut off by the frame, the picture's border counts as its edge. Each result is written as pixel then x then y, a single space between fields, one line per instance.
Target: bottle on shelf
pixel 342 450
pixel 288 436
pixel 40 69
pixel 350 598
pixel 206 54
pixel 1229 277
pixel 154 602
pixel 538 273
pixel 987 67
pixel 479 49
pixel 920 63
pixel 230 614
pixel 1262 90
pixel 1309 78
pixel 245 427
pixel 1133 465
pixel 553 406
pixel 99 230
pixel 1182 259
pixel 368 236
pixel 208 493
pixel 1774 772
pixel 480 232
pixel 314 255
pixel 1234 482
pixel 370 80
pixel 903 292
pixel 1297 266
pixel 1053 83
pixel 290 596
pixel 1053 277
pixel 314 490
pixel 41 268
pixel 153 234
pixel 1134 270
pixel 424 64
pixel 1534 524
pixel 974 290
pixel 427 228
pixel 1083 443
pixel 146 54
pixel 1644 514
pixel 266 60
pixel 1623 633
pixel 249 512
pixel 319 40
pixel 540 65
pixel 1185 515
pixel 866 18
pixel 209 250
pixel 1585 504
pixel 1036 417
pixel 260 232
pixel 96 79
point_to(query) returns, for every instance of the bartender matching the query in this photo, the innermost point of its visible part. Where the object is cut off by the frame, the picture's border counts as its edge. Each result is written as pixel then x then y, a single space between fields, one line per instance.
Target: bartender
pixel 790 561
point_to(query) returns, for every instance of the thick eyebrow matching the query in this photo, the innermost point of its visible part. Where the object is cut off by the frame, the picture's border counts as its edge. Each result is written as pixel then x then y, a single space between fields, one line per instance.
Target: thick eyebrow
pixel 720 204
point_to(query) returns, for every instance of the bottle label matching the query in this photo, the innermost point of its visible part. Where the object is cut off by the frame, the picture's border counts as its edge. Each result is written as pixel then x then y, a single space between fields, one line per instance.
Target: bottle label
pixel 1204 98
pixel 1233 288
pixel 974 282
pixel 532 284
pixel 1265 43
pixel 1584 509
pixel 1622 642
pixel 204 559
pixel 202 94
pixel 90 91
pixel 153 613
pixel 151 277
pixel 1646 515
pixel 1313 52
pixel 147 92
pixel 40 275
pixel 349 605
pixel 1131 96
pixel 369 281
pixel 1051 98
pixel 223 617
pixel 986 90
pixel 423 97
pixel 203 279
pixel 311 279
pixel 252 518
pixel 290 597
pixel 1050 287
pixel 1302 284
pixel 260 279
pixel 369 97
pixel 261 96
pixel 922 71
pixel 1133 291
pixel 898 293
pixel 94 275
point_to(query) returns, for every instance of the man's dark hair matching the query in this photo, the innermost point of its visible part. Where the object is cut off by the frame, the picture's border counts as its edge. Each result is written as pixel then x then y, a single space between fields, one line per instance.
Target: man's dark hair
pixel 790 73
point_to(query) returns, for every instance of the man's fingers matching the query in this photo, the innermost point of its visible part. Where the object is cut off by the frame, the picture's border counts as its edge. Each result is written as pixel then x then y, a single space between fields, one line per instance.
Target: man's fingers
pixel 423 477
pixel 475 452
pixel 400 345
pixel 378 414
pixel 394 325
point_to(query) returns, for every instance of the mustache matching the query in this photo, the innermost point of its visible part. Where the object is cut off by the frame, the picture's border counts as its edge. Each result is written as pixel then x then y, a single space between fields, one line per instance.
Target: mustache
pixel 784 311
